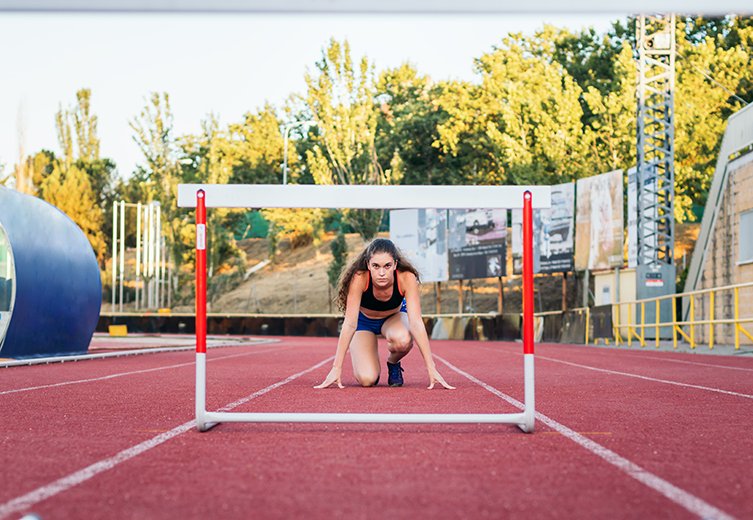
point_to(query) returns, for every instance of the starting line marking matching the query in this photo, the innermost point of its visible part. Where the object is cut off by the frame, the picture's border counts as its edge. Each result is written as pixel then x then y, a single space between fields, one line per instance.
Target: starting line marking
pixel 679 496
pixel 63 484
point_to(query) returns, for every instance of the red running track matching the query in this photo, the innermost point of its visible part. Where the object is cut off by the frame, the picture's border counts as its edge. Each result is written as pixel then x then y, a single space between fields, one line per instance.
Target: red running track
pixel 619 434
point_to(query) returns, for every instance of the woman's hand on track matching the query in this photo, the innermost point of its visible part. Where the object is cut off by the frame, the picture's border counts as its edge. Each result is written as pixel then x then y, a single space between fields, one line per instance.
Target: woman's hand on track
pixel 332 377
pixel 436 377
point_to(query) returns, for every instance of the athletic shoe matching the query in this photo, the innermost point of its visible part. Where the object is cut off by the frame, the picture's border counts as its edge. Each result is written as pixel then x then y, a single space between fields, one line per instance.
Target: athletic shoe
pixel 396 374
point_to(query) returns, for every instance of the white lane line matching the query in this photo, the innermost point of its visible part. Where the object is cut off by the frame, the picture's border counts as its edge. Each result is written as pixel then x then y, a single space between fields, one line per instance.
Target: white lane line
pixel 63 484
pixel 647 378
pixel 118 353
pixel 689 362
pixel 645 354
pixel 636 376
pixel 679 496
pixel 123 374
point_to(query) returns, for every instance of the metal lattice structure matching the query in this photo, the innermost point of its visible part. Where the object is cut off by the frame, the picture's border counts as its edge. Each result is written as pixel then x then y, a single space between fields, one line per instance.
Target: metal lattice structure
pixel 656 131
pixel 655 39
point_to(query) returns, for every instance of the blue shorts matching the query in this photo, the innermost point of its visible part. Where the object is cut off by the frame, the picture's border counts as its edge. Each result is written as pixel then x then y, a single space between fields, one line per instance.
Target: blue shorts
pixel 374 325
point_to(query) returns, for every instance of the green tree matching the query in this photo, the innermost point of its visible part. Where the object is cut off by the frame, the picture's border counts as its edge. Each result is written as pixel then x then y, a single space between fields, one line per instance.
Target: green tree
pixel 212 155
pixel 64 181
pixel 32 170
pixel 85 125
pixel 209 158
pixel 523 124
pixel 710 72
pixel 339 248
pixel 69 190
pixel 257 147
pixel 611 126
pixel 407 127
pixel 159 176
pixel 340 98
pixel 299 226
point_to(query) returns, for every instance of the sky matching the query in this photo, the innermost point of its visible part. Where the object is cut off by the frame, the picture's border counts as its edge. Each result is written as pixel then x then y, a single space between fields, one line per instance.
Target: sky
pixel 211 63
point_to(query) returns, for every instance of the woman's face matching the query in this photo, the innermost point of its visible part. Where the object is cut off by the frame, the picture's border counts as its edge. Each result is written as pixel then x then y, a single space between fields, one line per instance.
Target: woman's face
pixel 381 267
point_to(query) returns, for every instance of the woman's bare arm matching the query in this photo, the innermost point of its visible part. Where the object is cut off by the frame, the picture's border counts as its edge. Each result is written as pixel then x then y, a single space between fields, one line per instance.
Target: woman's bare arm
pixel 352 306
pixel 417 329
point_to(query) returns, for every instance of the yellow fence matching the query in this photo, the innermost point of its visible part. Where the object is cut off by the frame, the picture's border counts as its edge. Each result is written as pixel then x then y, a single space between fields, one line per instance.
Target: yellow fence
pixel 688 329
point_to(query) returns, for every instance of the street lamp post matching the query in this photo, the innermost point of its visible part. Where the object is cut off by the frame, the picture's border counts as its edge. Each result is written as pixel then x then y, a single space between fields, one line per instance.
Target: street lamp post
pixel 286 134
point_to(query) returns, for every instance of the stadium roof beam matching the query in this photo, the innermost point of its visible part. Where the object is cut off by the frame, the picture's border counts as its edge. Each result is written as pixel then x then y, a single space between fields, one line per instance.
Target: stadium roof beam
pixel 383 6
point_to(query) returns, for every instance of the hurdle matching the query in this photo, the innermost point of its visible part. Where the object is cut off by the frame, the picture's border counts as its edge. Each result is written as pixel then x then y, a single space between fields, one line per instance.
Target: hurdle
pixel 203 196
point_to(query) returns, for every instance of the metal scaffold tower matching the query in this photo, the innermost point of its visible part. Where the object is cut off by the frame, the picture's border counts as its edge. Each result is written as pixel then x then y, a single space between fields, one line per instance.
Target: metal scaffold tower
pixel 655 39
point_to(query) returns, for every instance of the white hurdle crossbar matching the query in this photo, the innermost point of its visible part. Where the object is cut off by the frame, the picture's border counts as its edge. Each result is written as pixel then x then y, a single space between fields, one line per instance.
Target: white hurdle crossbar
pixel 203 196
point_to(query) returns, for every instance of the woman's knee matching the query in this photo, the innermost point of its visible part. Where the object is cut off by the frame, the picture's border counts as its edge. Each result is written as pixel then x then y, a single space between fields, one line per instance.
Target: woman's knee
pixel 401 342
pixel 367 378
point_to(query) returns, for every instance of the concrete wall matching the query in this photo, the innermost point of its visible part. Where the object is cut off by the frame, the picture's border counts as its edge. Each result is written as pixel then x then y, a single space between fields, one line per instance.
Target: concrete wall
pixel 722 264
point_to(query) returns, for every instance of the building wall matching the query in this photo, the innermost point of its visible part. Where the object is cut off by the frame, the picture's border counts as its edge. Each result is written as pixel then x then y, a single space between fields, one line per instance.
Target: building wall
pixel 722 265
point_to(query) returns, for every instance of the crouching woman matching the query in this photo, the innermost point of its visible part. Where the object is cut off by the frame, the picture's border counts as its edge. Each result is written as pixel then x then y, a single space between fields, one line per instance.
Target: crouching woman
pixel 379 293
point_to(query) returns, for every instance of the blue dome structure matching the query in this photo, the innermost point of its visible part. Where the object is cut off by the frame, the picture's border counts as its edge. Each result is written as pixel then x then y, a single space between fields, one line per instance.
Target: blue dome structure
pixel 50 287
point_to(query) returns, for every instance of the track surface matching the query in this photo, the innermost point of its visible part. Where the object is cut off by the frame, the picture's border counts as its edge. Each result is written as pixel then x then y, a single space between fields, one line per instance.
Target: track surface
pixel 619 434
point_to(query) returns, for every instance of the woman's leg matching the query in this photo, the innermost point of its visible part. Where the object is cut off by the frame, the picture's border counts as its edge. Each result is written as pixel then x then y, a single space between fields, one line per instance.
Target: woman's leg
pixel 365 357
pixel 397 333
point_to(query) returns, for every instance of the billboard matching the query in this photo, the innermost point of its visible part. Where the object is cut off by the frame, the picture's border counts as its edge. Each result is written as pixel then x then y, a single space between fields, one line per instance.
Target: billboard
pixel 477 243
pixel 517 241
pixel 599 227
pixel 632 220
pixel 421 234
pixel 552 233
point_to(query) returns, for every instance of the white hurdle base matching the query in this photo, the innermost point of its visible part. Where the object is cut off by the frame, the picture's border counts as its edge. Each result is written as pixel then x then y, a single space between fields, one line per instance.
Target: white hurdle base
pixel 386 418
pixel 206 420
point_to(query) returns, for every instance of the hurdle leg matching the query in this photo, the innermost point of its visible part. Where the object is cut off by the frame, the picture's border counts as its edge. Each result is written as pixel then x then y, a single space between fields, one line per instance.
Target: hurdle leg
pixel 529 414
pixel 201 394
pixel 201 314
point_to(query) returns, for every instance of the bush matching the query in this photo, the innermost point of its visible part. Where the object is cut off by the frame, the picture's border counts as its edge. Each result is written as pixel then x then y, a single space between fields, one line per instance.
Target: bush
pixel 299 226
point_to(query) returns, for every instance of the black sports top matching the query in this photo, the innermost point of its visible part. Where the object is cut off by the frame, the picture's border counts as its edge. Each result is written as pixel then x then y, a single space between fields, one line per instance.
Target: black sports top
pixel 368 301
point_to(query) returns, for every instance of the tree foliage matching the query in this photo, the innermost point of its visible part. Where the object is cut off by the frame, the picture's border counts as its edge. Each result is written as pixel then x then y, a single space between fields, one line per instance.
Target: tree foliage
pixel 74 182
pixel 340 98
pixel 69 189
pixel 544 108
pixel 211 162
pixel 158 179
pixel 407 127
pixel 710 72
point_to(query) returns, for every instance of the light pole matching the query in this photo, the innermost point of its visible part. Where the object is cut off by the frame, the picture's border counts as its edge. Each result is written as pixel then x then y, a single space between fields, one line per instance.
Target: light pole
pixel 286 134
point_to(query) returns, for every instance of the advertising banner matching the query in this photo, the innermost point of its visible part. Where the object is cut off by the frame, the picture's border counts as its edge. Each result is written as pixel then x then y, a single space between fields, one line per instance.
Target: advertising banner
pixel 552 233
pixel 599 226
pixel 555 237
pixel 632 220
pixel 477 243
pixel 421 234
pixel 517 241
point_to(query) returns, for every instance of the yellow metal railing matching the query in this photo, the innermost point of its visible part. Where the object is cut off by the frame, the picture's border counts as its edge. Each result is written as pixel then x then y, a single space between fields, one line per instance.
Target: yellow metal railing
pixel 637 329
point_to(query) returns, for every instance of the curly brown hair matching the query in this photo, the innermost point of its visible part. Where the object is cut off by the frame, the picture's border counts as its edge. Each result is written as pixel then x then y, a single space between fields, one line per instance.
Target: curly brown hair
pixel 361 264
